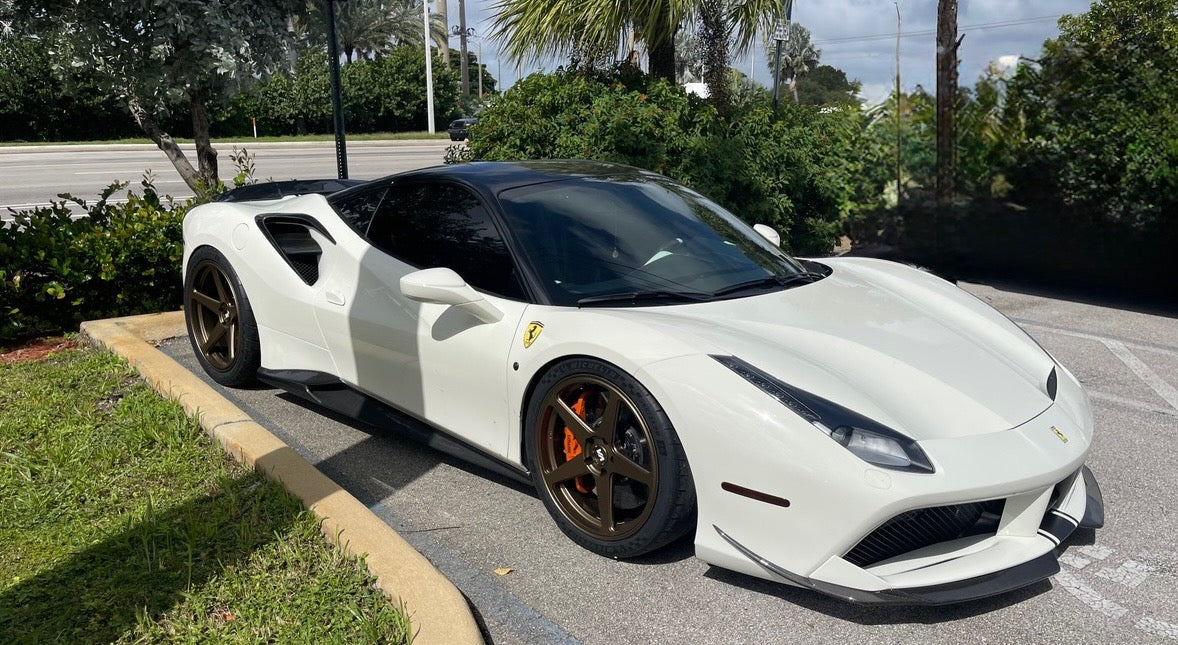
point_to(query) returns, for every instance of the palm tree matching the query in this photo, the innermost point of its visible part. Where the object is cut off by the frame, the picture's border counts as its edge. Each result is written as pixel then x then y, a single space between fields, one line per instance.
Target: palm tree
pixel 376 26
pixel 537 29
pixel 798 56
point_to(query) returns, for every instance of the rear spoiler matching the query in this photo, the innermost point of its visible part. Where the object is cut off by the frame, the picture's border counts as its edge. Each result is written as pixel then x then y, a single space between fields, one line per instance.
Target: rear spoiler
pixel 280 189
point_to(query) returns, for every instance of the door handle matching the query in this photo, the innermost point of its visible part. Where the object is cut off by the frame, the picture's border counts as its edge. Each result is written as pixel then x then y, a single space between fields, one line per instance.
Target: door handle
pixel 335 297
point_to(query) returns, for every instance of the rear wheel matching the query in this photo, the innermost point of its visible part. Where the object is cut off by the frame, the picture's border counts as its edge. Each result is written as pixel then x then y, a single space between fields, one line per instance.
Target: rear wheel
pixel 221 324
pixel 606 460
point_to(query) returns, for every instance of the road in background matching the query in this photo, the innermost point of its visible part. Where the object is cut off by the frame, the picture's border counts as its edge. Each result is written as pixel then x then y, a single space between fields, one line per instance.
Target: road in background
pixel 1114 587
pixel 32 175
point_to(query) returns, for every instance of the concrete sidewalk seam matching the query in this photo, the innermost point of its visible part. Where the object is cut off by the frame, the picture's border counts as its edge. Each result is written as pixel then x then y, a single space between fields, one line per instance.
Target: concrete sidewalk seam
pixel 438 610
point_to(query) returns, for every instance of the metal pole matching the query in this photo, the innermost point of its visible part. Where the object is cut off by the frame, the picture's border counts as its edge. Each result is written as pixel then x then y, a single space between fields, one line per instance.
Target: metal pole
pixel 429 70
pixel 899 135
pixel 789 9
pixel 337 102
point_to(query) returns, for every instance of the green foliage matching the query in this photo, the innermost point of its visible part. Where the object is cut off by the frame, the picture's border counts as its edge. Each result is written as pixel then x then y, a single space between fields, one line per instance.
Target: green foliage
pixel 36 105
pixel 1101 113
pixel 827 85
pixel 57 270
pixel 776 170
pixel 385 94
pixel 124 523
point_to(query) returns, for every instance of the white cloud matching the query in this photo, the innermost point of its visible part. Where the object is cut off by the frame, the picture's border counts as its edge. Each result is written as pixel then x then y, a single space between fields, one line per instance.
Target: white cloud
pixel 858 36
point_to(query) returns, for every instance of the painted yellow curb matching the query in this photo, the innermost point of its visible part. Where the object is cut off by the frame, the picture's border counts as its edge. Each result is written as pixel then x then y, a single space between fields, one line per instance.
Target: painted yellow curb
pixel 437 609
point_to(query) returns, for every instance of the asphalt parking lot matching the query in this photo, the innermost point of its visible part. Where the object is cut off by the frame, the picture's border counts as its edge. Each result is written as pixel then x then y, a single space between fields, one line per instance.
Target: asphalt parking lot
pixel 1115 585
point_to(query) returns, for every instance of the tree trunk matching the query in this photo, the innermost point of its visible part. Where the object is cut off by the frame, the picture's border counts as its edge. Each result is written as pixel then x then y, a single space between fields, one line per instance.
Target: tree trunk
pixel 443 13
pixel 714 38
pixel 793 87
pixel 947 43
pixel 165 142
pixel 206 155
pixel 464 63
pixel 661 49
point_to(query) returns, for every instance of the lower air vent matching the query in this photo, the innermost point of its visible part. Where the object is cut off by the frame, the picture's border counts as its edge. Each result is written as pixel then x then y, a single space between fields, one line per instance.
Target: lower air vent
pixel 924 527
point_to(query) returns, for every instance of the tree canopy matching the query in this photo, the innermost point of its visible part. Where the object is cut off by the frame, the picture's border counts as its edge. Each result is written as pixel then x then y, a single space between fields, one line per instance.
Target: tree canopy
pixel 161 55
pixel 1101 111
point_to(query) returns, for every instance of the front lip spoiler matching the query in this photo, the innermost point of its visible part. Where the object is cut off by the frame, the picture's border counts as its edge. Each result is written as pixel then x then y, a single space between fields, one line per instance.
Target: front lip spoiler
pixel 990 584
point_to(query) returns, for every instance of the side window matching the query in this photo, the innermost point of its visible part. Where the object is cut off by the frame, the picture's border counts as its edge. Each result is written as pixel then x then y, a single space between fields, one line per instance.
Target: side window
pixel 357 210
pixel 442 225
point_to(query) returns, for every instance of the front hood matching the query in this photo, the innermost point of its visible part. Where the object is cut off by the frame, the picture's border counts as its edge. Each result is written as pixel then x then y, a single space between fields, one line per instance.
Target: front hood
pixel 890 342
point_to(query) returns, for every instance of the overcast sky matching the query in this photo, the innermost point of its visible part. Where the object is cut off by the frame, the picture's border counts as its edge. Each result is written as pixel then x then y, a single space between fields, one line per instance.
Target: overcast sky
pixel 859 37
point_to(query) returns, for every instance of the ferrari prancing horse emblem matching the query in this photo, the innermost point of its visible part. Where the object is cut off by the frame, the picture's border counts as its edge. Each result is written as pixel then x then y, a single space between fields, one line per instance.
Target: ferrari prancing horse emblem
pixel 533 332
pixel 1059 433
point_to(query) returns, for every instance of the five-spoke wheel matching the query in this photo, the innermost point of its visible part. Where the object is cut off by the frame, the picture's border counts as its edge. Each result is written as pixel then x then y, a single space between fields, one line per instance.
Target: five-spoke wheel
pixel 606 460
pixel 220 323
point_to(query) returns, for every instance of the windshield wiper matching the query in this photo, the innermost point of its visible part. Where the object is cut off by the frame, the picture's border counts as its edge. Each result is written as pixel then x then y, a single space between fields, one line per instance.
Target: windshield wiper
pixel 805 277
pixel 638 297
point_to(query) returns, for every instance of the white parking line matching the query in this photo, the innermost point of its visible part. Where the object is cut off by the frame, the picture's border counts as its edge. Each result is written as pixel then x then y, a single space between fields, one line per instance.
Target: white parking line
pixel 1143 371
pixel 1131 573
pixel 1158 627
pixel 1132 403
pixel 1089 596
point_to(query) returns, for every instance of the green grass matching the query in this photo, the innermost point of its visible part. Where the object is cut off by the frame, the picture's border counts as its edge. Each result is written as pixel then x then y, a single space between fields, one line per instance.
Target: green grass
pixel 367 136
pixel 123 522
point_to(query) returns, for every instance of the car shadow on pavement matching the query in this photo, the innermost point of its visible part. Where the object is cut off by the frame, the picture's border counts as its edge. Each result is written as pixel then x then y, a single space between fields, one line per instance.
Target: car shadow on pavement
pixel 1151 304
pixel 398 459
pixel 98 594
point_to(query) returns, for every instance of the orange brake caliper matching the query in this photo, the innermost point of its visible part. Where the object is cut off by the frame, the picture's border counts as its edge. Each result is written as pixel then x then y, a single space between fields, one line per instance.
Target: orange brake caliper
pixel 572 447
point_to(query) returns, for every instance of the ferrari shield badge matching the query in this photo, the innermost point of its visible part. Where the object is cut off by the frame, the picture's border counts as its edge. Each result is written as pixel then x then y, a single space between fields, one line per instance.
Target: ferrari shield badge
pixel 1059 433
pixel 533 332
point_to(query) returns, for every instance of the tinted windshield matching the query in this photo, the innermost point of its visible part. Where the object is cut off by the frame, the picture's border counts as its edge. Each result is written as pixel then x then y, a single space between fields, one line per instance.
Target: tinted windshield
pixel 593 238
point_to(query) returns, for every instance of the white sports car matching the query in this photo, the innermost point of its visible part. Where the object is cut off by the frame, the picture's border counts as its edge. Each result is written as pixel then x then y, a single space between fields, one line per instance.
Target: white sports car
pixel 654 367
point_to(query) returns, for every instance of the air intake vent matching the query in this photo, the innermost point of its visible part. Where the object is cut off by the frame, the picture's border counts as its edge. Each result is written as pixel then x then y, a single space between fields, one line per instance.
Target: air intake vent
pixel 923 527
pixel 291 237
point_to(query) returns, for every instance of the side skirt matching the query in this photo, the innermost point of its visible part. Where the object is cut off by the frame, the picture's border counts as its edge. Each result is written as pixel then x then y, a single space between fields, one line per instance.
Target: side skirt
pixel 329 392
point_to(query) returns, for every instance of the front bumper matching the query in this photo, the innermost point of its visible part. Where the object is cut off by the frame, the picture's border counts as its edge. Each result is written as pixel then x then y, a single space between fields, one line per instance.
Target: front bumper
pixel 1057 524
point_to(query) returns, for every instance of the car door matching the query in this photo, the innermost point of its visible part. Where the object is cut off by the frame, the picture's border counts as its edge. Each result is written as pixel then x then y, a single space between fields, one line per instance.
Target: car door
pixel 433 361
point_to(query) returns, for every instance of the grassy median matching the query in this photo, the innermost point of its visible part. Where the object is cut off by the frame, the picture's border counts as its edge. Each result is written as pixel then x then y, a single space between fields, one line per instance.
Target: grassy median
pixel 292 138
pixel 123 522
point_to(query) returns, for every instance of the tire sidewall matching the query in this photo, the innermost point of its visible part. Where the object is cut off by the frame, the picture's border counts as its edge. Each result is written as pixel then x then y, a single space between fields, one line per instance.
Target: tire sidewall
pixel 672 493
pixel 245 369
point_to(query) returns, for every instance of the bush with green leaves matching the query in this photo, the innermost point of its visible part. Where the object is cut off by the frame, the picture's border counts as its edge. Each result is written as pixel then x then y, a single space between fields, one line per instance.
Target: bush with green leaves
pixel 793 170
pixel 386 94
pixel 58 269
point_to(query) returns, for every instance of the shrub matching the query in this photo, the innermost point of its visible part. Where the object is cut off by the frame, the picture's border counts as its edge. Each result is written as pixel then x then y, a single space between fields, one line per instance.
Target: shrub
pixel 767 168
pixel 57 270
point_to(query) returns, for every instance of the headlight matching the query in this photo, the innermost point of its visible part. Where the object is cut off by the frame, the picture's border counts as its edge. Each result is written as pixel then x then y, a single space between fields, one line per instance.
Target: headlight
pixel 869 440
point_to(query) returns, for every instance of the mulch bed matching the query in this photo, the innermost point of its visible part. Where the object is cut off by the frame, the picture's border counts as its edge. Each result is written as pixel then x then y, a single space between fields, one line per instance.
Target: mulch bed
pixel 35 349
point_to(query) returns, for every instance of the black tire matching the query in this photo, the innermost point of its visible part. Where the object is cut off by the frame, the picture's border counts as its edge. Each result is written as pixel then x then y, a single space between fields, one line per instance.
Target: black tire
pixel 637 455
pixel 221 325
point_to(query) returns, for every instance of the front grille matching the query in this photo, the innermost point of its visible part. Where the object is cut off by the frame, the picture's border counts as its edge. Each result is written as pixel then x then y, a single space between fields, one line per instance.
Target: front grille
pixel 923 527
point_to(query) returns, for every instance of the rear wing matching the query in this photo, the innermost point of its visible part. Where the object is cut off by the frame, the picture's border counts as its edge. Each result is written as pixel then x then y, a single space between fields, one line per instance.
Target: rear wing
pixel 279 189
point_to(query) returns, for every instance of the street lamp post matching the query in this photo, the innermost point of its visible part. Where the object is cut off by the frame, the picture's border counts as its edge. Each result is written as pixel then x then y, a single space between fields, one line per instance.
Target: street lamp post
pixel 429 69
pixel 780 35
pixel 337 102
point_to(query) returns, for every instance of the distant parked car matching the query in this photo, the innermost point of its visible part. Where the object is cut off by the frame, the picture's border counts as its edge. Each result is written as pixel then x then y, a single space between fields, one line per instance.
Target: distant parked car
pixel 460 129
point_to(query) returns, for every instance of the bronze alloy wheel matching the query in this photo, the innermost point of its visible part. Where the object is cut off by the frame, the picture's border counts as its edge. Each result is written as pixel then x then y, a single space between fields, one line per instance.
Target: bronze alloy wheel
pixel 595 457
pixel 215 319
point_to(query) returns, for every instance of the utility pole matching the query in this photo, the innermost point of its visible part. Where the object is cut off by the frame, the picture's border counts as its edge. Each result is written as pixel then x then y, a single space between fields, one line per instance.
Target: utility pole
pixel 780 34
pixel 947 43
pixel 429 70
pixel 464 64
pixel 443 12
pixel 899 132
pixel 337 102
pixel 480 68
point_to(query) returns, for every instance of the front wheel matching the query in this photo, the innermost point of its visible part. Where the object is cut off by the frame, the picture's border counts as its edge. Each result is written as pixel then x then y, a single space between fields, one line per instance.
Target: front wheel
pixel 606 460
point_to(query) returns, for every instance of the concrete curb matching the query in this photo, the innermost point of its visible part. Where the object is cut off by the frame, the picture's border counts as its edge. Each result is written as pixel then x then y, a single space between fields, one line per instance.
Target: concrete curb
pixel 437 609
